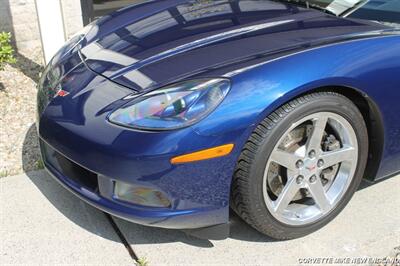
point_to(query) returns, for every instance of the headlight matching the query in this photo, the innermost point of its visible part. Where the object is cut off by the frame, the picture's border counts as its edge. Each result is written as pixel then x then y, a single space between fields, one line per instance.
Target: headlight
pixel 173 107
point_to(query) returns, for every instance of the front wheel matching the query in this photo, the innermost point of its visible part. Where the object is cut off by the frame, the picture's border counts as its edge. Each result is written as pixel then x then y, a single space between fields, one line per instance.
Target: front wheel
pixel 301 165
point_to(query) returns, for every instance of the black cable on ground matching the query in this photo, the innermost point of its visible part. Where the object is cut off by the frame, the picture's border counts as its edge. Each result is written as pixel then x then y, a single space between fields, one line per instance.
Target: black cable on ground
pixel 122 238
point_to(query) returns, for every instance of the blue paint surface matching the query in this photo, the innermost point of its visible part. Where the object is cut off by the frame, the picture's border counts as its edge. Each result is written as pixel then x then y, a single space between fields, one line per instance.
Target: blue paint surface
pixel 271 52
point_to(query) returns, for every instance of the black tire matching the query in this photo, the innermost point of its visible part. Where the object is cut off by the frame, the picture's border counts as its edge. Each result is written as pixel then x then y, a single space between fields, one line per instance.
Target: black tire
pixel 247 192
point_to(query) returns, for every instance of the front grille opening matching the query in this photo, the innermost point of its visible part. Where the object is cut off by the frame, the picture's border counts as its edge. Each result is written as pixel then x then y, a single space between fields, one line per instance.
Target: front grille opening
pixel 70 170
pixel 77 173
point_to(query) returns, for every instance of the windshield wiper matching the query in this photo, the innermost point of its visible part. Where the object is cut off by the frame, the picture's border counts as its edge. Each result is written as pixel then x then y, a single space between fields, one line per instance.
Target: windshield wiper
pixel 307 4
pixel 315 6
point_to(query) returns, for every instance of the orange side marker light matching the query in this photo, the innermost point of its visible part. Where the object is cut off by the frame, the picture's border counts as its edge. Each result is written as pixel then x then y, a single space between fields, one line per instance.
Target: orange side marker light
pixel 203 154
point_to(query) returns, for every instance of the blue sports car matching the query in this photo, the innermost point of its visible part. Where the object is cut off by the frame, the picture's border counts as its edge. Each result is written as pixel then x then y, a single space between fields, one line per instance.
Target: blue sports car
pixel 170 113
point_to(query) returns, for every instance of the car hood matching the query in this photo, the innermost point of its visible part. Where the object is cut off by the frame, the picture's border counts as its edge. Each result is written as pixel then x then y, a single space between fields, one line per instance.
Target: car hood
pixel 159 42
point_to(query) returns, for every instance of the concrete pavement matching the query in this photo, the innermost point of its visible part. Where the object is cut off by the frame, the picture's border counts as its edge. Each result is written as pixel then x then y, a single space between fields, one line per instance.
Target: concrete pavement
pixel 42 223
pixel 368 226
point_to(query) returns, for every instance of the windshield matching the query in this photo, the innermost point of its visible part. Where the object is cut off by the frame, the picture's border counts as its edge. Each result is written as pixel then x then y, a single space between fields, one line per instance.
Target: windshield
pixel 387 11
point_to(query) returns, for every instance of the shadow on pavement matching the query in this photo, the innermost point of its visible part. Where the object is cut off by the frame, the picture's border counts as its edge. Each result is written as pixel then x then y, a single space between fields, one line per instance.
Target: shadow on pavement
pixel 138 234
pixel 30 150
pixel 71 207
pixel 134 233
pixel 30 68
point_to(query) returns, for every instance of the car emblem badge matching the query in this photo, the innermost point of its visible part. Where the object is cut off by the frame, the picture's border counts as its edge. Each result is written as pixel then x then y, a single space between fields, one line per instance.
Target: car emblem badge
pixel 311 168
pixel 62 93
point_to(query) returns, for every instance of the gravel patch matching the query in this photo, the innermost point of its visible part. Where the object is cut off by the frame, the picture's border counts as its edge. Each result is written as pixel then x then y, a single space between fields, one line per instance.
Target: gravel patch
pixel 18 138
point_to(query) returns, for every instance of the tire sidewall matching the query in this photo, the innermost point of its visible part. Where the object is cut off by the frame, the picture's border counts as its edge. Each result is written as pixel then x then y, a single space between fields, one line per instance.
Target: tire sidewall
pixel 326 103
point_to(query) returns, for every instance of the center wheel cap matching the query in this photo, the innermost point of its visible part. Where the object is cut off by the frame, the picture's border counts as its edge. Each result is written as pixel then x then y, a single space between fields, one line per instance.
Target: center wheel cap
pixel 310 167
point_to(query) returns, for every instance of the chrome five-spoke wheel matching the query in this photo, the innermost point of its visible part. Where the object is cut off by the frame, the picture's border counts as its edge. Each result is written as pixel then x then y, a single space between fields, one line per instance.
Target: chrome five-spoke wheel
pixel 301 165
pixel 310 168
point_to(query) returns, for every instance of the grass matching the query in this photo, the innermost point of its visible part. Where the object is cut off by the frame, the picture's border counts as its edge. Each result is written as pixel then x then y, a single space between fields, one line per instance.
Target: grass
pixel 39 164
pixel 142 262
pixel 4 173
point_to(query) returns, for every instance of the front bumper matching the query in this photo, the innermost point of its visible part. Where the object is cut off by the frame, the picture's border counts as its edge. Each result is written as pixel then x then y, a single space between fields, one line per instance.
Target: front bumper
pixel 97 190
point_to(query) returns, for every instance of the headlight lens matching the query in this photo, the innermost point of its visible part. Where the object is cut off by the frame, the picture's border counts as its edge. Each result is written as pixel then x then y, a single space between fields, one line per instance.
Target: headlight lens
pixel 175 106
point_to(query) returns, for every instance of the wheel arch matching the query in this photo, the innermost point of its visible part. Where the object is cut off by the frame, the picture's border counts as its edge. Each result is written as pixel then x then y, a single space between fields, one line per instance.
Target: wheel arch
pixel 372 117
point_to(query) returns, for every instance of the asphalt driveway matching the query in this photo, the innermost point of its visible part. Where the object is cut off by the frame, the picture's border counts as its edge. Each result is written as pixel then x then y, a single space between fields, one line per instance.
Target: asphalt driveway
pixel 42 223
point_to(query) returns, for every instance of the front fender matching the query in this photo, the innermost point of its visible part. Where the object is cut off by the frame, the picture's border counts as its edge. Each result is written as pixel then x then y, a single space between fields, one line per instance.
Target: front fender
pixel 370 65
